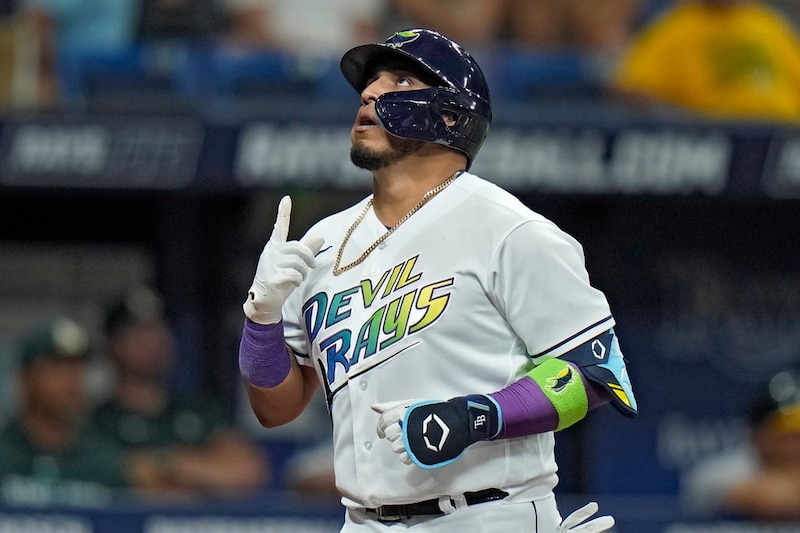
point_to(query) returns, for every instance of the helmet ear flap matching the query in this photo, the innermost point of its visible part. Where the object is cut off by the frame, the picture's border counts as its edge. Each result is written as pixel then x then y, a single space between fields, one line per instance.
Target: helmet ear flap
pixel 450 118
pixel 424 115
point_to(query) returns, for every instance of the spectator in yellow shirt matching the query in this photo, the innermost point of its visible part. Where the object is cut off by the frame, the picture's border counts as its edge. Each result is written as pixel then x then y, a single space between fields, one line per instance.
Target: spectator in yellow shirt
pixel 723 59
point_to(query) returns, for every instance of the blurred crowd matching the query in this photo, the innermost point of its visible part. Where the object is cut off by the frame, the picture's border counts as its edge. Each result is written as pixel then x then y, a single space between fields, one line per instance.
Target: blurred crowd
pixel 65 445
pixel 719 59
pixel 759 478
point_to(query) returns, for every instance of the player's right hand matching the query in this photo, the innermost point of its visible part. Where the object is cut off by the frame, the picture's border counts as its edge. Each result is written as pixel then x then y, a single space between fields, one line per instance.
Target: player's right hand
pixel 282 266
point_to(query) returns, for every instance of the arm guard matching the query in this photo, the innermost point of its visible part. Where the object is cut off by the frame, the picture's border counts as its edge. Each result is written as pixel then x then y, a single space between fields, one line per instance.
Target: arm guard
pixel 602 362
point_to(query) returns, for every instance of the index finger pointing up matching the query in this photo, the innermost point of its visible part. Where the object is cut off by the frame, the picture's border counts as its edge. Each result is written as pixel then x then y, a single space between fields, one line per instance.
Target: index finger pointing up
pixel 281 229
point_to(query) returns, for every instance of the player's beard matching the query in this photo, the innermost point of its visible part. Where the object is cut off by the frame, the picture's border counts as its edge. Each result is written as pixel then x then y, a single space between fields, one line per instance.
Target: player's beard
pixel 369 159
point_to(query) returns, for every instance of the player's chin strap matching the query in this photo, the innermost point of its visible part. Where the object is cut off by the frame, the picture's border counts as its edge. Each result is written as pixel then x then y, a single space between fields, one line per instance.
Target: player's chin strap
pixel 552 396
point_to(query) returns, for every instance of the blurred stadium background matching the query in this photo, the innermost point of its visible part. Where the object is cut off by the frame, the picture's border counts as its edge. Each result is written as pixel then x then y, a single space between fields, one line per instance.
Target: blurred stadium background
pixel 169 173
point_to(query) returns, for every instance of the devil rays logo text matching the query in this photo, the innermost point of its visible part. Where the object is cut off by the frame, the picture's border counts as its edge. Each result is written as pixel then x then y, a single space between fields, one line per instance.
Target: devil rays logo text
pixel 397 312
pixel 402 38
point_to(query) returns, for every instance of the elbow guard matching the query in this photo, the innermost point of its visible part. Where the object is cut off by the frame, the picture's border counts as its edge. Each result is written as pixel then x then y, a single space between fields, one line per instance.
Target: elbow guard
pixel 601 361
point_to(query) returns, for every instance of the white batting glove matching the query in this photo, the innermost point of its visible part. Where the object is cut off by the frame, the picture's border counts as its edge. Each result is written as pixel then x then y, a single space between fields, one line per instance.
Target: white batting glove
pixel 281 267
pixel 574 523
pixel 392 413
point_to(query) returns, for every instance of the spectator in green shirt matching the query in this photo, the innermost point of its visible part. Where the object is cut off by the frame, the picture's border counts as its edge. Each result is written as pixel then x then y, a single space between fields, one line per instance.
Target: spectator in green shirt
pixel 198 452
pixel 48 454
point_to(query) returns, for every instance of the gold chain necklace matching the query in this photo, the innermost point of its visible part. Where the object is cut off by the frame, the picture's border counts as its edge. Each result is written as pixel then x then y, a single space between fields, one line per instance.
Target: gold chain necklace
pixel 424 200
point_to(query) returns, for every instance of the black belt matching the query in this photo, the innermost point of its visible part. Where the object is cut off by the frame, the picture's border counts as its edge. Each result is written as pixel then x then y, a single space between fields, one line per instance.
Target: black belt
pixel 395 513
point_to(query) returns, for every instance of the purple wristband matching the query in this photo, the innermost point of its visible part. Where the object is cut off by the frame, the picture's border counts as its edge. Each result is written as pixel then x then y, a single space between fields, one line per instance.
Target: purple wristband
pixel 527 411
pixel 263 357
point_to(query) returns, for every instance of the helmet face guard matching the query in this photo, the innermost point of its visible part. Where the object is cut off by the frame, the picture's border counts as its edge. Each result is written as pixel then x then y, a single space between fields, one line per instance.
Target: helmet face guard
pixel 437 114
pixel 456 111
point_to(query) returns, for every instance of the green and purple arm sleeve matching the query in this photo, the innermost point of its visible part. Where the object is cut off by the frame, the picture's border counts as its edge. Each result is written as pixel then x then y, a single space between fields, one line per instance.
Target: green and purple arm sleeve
pixel 554 398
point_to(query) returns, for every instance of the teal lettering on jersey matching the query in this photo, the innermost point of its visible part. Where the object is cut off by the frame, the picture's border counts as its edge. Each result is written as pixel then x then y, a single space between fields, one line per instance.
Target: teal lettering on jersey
pixel 399 310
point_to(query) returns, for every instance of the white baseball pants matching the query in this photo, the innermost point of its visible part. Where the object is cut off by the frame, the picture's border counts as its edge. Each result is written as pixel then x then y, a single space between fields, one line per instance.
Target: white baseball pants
pixel 540 516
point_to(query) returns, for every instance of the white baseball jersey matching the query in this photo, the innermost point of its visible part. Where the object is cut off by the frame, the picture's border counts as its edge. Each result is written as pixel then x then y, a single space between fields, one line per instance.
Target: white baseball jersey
pixel 461 299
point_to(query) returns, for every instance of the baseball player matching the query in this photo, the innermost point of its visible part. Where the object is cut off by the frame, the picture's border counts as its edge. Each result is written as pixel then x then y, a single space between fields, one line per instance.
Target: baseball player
pixel 452 329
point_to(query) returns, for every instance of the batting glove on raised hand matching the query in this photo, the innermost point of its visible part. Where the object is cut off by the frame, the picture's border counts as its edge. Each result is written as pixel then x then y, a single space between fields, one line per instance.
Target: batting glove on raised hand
pixel 281 267
pixel 432 434
pixel 575 522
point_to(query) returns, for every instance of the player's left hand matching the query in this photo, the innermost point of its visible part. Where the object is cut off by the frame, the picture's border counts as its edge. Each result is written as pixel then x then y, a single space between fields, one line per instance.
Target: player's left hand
pixel 389 425
pixel 432 434
pixel 575 522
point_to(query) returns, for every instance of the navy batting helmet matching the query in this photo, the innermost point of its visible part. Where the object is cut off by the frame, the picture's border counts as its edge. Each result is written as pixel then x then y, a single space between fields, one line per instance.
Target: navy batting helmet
pixel 459 89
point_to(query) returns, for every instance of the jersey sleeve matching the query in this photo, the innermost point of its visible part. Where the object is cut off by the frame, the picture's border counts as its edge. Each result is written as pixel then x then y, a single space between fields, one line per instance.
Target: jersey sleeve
pixel 293 331
pixel 541 285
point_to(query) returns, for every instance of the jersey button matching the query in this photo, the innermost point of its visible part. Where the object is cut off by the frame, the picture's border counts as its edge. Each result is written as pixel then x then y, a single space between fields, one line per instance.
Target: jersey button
pixel 375 270
pixel 362 385
pixel 368 445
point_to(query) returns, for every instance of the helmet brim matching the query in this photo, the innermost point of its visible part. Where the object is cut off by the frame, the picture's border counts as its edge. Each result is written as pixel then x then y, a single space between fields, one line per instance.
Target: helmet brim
pixel 359 64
